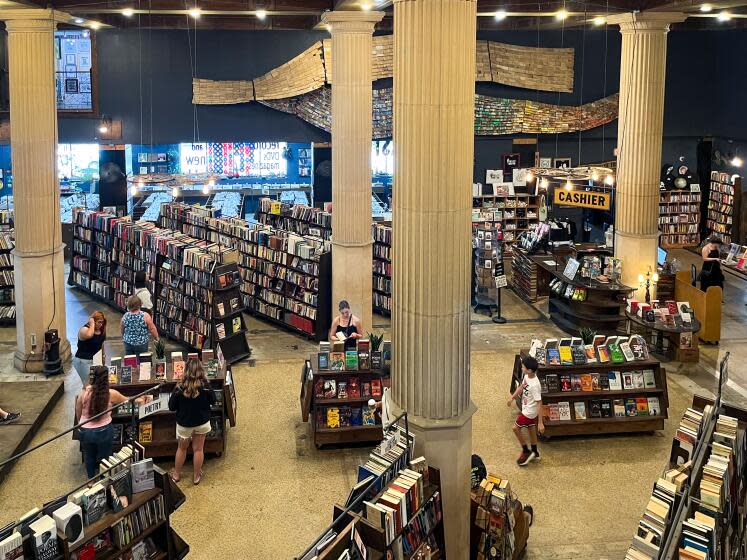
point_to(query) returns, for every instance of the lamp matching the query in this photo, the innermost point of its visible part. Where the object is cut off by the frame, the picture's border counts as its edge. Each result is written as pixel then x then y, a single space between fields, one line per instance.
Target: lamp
pixel 646 280
pixel 105 124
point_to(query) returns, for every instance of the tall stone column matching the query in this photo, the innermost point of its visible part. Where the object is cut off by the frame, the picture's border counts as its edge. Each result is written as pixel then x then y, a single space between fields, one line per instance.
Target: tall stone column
pixel 434 88
pixel 639 138
pixel 352 242
pixel 39 266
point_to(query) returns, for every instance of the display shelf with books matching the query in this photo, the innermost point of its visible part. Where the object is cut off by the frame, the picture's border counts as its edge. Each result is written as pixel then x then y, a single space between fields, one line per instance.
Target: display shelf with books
pixel 382 268
pixel 7 278
pixel 123 512
pixel 595 392
pixel 516 213
pixel 299 219
pixel 525 275
pixel 679 219
pixel 724 215
pixel 131 375
pixel 487 266
pixel 341 389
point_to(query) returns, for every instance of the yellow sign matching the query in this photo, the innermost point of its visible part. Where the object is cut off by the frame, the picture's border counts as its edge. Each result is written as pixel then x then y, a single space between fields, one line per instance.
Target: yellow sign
pixel 582 199
pixel 276 207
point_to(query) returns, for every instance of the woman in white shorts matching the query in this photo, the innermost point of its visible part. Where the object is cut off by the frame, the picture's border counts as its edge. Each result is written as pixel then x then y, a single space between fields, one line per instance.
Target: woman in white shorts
pixel 191 400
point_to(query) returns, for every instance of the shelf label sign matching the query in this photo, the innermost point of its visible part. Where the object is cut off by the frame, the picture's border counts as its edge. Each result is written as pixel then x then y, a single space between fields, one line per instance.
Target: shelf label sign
pixel 582 199
pixel 156 405
pixel 500 281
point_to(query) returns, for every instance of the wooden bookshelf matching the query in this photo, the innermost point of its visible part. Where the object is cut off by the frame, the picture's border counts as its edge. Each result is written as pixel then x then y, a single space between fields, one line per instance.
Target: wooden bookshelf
pixel 524 275
pixel 599 425
pixel 300 219
pixel 516 213
pixel 679 219
pixel 7 277
pixel 163 442
pixel 724 214
pixel 315 404
pixel 382 268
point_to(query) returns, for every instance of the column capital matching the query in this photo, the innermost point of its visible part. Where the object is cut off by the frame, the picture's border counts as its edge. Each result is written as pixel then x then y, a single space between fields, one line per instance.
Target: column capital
pixel 34 19
pixel 352 22
pixel 635 22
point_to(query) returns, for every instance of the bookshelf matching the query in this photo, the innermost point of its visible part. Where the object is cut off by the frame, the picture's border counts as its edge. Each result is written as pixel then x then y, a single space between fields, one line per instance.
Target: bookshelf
pixel 7 279
pixel 679 219
pixel 286 278
pixel 300 219
pixel 382 268
pixel 725 207
pixel 157 432
pixel 337 402
pixel 525 275
pixel 487 265
pixel 553 395
pixel 516 213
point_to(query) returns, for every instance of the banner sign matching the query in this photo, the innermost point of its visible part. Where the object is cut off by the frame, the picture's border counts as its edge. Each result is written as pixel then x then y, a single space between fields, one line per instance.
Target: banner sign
pixel 582 199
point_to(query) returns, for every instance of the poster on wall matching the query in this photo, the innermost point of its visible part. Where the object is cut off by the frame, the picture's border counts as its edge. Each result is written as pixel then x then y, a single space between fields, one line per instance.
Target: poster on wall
pixel 493 176
pixel 245 159
pixel 510 162
pixel 562 163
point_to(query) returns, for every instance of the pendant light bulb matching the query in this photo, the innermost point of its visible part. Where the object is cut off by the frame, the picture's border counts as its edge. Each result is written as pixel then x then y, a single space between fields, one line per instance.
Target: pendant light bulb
pixel 544 183
pixel 205 189
pixel 133 190
pixel 261 14
pixel 724 16
pixel 211 182
pixel 561 15
pixel 174 192
pixel 530 176
pixel 594 176
pixel 736 161
pixel 609 180
pixel 128 12
pixel 705 8
pixel 599 21
pixel 195 13
pixel 500 15
pixel 568 185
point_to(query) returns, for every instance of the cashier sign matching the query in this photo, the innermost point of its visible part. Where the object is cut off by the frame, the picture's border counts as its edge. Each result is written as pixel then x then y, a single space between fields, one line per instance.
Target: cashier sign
pixel 582 199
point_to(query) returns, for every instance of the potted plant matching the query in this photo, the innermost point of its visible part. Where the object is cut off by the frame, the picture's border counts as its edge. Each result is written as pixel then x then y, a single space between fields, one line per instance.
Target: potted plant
pixel 587 335
pixel 159 364
pixel 376 357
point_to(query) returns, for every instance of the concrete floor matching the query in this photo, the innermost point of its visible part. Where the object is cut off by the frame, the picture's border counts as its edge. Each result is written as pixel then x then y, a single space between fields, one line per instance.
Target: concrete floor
pixel 273 483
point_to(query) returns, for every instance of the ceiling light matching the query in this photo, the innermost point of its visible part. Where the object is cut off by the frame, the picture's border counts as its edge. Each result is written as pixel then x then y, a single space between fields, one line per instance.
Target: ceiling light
pixel 705 7
pixel 95 25
pixel 500 15
pixel 724 16
pixel 195 13
pixel 609 180
pixel 128 12
pixel 133 190
pixel 568 185
pixel 561 15
pixel 599 20
pixel 366 7
pixel 736 161
pixel 544 183
pixel 261 14
pixel 79 20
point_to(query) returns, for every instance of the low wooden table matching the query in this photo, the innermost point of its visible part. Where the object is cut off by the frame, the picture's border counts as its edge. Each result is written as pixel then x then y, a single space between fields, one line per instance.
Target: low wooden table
pixel 661 332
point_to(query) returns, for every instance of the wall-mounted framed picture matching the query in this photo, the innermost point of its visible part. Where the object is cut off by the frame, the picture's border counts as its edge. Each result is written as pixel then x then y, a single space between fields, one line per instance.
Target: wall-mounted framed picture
pixel 562 163
pixel 71 85
pixel 545 163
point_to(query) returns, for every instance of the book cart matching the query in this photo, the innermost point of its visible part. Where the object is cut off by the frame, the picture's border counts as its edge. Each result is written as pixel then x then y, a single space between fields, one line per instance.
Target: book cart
pixel 553 394
pixel 336 402
pixel 354 527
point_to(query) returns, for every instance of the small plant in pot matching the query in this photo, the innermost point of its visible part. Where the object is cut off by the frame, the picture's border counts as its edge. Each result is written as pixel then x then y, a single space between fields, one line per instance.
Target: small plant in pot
pixel 377 360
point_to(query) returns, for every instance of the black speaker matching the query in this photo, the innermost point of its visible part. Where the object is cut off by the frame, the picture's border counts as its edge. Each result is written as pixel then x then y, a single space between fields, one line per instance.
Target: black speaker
pixel 321 180
pixel 52 361
pixel 112 178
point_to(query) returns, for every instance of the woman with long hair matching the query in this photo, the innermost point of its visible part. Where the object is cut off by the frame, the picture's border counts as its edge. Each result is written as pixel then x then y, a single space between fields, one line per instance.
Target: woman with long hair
pixel 710 273
pixel 91 338
pixel 96 433
pixel 191 400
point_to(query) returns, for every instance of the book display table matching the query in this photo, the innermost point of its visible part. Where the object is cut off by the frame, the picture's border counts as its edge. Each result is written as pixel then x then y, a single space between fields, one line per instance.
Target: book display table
pixel 668 340
pixel 573 404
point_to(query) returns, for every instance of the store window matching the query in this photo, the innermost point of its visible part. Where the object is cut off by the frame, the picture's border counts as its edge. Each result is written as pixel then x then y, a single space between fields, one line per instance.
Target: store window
pixel 243 159
pixel 78 162
pixel 382 157
pixel 74 70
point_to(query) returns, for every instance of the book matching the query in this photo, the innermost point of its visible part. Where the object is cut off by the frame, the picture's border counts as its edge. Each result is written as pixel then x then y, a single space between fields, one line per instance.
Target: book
pixel 564 410
pixel 234 304
pixel 604 381
pixel 160 369
pixel 130 360
pixel 595 382
pixel 576 383
pixel 342 390
pixel 351 360
pixel 94 503
pixel 145 432
pixel 330 389
pixel 236 324
pixel 116 361
pixel 337 361
pixel 553 382
pixel 595 408
pixel 207 355
pixel 365 390
pixel 654 409
pixel 619 408
pixel 616 353
pixel 591 355
pixel 344 416
pixel 615 380
pixel 649 379
pixel 564 348
pixel 627 378
pixel 641 406
pixel 639 347
pixel 212 368
pixel 553 357
pixel 125 377
pixel 637 380
pixel 631 408
pixel 376 388
pixel 145 368
pixel 120 490
pixel 606 407
pixel 333 417
pixel 221 309
pixel 578 351
pixel 579 409
pixel 323 360
pixel 565 383
pixel 552 412
pixel 376 360
pixel 364 361
pixel 11 547
pixel 142 476
pixel 603 354
pixel 220 330
pixel 369 415
pixel 586 382
pixel 44 536
pixel 627 351
pixel 113 377
pixel 177 370
pixel 354 389
pixel 177 356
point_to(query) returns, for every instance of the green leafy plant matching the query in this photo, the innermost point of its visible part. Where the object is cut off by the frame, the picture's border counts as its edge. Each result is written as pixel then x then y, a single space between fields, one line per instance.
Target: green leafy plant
pixel 587 335
pixel 160 348
pixel 376 340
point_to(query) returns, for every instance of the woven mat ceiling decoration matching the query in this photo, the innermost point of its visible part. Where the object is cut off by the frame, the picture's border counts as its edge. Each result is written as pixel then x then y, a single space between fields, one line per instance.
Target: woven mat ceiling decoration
pixel 301 87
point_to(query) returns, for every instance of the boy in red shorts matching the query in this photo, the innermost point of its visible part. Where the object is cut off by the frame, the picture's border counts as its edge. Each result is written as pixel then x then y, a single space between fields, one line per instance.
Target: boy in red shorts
pixel 530 417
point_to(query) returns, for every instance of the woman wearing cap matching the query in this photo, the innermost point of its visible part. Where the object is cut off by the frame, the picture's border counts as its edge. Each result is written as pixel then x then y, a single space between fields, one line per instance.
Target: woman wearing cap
pixel 348 324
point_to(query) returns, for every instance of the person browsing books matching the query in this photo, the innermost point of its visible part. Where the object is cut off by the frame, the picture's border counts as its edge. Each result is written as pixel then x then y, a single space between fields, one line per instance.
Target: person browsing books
pixel 96 434
pixel 710 273
pixel 137 328
pixel 346 326
pixel 530 416
pixel 191 400
pixel 141 291
pixel 91 337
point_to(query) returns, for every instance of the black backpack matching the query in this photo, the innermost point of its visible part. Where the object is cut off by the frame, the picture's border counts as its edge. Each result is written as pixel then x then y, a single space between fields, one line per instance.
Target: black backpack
pixel 478 472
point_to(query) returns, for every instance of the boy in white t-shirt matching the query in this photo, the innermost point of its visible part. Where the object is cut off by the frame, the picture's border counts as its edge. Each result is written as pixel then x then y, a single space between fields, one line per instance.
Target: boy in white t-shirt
pixel 530 417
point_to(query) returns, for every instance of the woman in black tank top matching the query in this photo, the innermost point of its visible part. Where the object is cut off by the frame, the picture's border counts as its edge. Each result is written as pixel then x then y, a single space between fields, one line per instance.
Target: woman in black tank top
pixel 347 324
